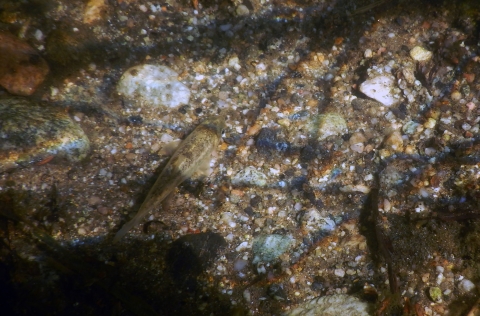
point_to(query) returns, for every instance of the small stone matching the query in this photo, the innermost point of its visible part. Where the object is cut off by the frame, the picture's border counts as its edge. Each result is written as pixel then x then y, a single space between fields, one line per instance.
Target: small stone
pixel 456 96
pixel 81 231
pixel 314 222
pixel 368 53
pixel 419 53
pixel 93 10
pixel 242 10
pixel 329 124
pixel 394 141
pixel 22 69
pixel 339 272
pixel 411 128
pixel 381 89
pixel 94 200
pixel 268 248
pixel 435 293
pixel 466 285
pixel 153 86
pixel 430 123
pixel 250 176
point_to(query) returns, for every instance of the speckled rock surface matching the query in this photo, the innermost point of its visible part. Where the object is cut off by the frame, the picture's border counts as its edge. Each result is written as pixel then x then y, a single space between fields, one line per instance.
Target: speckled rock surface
pixel 383 208
pixel 30 133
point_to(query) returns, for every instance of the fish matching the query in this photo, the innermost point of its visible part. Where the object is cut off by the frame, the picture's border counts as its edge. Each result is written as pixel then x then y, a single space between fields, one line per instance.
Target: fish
pixel 193 153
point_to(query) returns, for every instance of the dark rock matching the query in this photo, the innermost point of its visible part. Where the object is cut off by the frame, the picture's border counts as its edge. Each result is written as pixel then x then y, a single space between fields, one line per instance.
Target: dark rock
pixel 22 69
pixel 190 255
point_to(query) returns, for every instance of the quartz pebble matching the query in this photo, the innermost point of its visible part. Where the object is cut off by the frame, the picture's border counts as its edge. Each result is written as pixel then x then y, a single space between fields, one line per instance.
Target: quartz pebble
pixel 153 86
pixel 381 89
pixel 419 53
pixel 466 285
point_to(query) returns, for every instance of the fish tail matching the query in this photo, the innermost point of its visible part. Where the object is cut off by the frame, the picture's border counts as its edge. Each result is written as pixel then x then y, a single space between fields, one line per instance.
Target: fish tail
pixel 125 228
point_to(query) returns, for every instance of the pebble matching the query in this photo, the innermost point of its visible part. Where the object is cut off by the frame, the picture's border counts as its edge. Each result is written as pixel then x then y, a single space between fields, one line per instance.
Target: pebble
pixel 268 248
pixel 314 222
pixel 339 272
pixel 22 69
pixel 419 53
pixel 31 133
pixel 153 86
pixel 381 89
pixel 250 177
pixel 435 293
pixel 466 285
pixel 242 10
pixel 329 124
pixel 332 305
pixel 93 10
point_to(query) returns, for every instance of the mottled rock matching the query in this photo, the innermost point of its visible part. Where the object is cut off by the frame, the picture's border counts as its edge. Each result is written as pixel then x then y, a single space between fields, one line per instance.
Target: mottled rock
pixel 435 293
pixel 314 222
pixel 268 248
pixel 329 124
pixel 250 176
pixel 93 10
pixel 381 88
pixel 332 305
pixel 22 69
pixel 268 140
pixel 31 133
pixel 153 86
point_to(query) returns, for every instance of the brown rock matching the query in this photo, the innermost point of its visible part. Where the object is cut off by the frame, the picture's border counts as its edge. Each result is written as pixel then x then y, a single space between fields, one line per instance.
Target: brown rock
pixel 22 69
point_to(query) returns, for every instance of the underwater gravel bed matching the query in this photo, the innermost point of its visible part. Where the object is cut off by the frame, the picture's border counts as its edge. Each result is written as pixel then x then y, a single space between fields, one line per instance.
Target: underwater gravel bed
pixel 317 189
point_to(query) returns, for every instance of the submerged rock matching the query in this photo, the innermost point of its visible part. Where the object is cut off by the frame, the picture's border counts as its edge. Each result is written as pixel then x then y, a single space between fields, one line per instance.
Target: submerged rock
pixel 381 88
pixel 153 86
pixel 31 133
pixel 22 69
pixel 332 305
pixel 250 176
pixel 268 248
pixel 419 53
pixel 329 124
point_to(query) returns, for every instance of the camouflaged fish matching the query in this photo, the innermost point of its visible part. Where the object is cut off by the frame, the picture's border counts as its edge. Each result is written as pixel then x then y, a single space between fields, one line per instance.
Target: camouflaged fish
pixel 192 154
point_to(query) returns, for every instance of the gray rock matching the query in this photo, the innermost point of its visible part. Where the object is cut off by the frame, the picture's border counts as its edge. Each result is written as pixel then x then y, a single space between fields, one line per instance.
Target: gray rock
pixel 332 305
pixel 31 133
pixel 268 248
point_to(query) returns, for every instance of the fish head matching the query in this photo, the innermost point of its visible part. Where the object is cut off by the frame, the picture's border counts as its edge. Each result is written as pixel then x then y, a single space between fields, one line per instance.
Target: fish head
pixel 215 123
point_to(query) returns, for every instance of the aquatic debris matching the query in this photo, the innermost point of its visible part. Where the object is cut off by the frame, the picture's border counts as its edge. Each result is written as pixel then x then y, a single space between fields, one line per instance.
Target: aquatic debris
pixel 192 155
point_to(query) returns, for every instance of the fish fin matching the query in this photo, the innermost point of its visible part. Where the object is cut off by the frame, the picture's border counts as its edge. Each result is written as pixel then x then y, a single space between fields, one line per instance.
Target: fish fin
pixel 169 149
pixel 203 169
pixel 129 225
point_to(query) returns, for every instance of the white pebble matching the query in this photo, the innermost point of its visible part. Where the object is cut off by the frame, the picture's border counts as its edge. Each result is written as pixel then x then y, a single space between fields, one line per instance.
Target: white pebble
pixel 340 273
pixel 466 285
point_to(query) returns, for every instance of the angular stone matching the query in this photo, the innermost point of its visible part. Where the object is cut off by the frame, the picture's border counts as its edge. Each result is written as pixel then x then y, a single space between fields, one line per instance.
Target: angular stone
pixel 381 89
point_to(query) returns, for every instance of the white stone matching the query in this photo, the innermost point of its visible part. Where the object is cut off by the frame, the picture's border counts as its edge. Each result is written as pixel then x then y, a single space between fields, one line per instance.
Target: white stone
pixel 419 53
pixel 381 88
pixel 313 222
pixel 154 86
pixel 250 176
pixel 466 285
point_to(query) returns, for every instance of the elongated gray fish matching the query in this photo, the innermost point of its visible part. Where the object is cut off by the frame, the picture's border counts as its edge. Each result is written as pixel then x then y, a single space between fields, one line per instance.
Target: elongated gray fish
pixel 192 154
